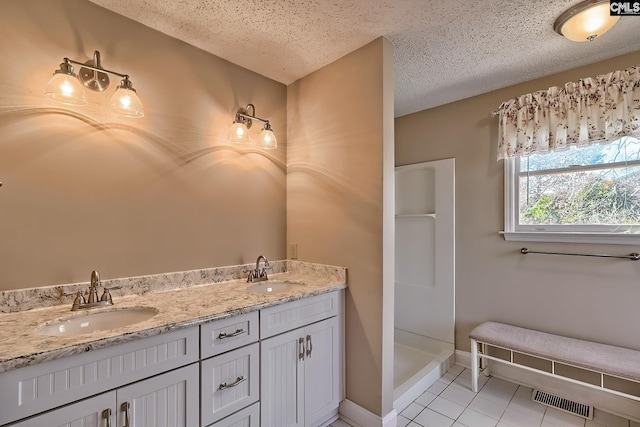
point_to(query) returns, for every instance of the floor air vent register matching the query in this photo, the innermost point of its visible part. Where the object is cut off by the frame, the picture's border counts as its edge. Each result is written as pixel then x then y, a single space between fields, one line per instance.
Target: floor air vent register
pixel 566 405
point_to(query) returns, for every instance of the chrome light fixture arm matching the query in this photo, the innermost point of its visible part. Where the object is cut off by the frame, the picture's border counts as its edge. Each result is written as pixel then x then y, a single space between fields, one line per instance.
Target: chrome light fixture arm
pixel 99 69
pixel 93 75
pixel 242 115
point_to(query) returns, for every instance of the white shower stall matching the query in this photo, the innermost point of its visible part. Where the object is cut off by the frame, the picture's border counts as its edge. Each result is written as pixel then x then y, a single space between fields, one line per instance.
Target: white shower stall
pixel 424 277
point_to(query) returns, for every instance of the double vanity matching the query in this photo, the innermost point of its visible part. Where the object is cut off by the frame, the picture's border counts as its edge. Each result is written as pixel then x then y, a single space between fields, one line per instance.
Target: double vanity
pixel 198 348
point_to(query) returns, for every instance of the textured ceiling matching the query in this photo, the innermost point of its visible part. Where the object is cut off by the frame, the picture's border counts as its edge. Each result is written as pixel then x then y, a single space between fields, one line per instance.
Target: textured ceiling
pixel 444 50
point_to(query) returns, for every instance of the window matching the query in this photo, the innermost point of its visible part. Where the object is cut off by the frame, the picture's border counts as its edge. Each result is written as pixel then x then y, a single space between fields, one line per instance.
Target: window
pixel 587 194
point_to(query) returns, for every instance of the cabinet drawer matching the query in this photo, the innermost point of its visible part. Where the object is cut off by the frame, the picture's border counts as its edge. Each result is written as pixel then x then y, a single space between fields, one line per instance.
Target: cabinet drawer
pixel 229 382
pixel 226 334
pixel 281 318
pixel 248 417
pixel 33 389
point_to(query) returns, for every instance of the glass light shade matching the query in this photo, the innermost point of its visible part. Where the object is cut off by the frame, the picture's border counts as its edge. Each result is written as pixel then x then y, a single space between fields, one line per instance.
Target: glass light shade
pixel 239 133
pixel 589 23
pixel 126 102
pixel 65 88
pixel 267 139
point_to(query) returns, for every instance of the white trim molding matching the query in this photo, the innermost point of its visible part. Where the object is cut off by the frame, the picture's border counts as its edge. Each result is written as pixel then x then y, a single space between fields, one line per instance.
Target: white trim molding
pixel 463 358
pixel 362 417
pixel 575 237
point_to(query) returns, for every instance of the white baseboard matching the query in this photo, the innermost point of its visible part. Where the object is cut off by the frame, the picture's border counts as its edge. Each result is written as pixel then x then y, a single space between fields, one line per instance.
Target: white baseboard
pixel 361 417
pixel 463 358
pixel 618 405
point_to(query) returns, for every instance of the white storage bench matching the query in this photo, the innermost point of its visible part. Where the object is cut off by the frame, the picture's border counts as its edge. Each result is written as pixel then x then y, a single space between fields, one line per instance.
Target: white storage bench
pixel 603 367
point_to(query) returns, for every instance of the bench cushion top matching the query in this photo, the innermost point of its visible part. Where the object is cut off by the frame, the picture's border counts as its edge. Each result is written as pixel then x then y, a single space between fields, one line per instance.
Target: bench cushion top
pixel 608 359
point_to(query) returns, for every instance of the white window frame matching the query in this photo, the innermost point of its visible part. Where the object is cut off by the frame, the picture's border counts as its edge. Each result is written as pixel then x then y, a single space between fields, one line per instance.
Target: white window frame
pixel 550 233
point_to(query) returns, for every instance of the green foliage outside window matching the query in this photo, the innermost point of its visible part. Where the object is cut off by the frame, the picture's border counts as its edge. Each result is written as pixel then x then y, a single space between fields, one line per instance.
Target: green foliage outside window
pixel 564 188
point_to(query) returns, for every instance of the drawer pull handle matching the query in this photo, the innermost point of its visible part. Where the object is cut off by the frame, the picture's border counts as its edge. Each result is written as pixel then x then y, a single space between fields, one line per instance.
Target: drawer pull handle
pixel 309 346
pixel 301 349
pixel 238 381
pixel 107 414
pixel 224 335
pixel 125 407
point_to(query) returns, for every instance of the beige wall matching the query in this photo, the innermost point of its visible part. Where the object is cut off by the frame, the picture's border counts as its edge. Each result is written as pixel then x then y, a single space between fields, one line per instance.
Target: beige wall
pixel 84 189
pixel 594 299
pixel 339 129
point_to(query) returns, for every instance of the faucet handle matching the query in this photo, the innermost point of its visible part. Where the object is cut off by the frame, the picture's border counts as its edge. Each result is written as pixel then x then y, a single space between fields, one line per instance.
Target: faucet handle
pixel 106 296
pixel 252 274
pixel 78 301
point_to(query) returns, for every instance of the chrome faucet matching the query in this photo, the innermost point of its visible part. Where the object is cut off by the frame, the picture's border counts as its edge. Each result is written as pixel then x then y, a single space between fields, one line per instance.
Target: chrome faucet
pixel 92 301
pixel 259 275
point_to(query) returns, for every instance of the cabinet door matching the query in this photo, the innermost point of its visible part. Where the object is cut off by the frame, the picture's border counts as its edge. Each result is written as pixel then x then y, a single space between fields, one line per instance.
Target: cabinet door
pixel 281 380
pixel 321 371
pixel 93 412
pixel 168 400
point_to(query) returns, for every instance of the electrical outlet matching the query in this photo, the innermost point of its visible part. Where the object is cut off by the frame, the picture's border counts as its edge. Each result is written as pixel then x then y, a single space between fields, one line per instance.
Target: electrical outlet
pixel 293 251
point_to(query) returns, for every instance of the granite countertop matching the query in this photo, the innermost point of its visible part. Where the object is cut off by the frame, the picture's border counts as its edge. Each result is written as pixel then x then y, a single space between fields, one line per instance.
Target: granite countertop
pixel 186 306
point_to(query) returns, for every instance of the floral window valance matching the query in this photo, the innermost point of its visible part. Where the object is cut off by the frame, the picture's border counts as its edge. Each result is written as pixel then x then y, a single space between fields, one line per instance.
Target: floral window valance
pixel 596 109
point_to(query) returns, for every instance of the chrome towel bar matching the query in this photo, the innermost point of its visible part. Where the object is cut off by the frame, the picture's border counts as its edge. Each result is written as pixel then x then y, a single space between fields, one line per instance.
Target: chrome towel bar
pixel 635 256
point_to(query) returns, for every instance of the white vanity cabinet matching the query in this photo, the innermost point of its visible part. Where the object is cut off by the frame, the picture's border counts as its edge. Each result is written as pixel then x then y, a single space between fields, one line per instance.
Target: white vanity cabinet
pixel 301 369
pixel 277 367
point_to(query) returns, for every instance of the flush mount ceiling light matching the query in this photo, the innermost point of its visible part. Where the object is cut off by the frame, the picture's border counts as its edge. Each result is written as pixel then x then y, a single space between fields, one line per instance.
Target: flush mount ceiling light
pixel 239 130
pixel 68 87
pixel 585 21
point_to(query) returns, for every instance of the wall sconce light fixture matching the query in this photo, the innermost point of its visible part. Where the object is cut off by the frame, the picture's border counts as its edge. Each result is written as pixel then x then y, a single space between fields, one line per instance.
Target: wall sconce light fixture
pixel 239 130
pixel 585 21
pixel 68 87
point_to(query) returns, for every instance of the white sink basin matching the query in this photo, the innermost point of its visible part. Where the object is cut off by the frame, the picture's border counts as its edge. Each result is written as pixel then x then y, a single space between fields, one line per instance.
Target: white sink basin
pixel 273 286
pixel 82 323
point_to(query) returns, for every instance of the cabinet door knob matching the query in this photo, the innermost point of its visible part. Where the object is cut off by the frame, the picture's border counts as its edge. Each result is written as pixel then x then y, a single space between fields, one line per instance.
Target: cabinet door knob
pixel 309 346
pixel 301 349
pixel 125 407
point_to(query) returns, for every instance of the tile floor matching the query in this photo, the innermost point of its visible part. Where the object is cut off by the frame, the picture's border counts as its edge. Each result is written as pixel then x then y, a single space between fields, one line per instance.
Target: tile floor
pixel 449 402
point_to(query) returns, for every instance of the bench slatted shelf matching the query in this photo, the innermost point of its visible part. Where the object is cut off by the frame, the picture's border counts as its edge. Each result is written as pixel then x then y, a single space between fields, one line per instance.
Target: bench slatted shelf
pixel 605 360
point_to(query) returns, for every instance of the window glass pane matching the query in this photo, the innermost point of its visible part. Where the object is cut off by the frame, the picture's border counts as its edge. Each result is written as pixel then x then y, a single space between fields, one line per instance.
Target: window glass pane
pixel 603 196
pixel 624 149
